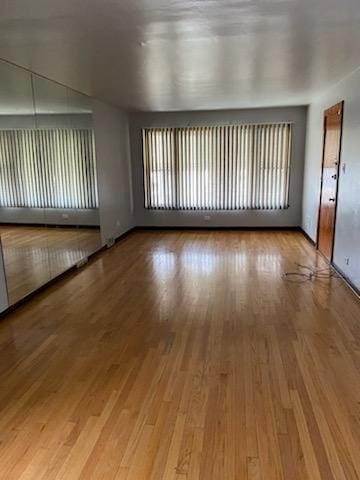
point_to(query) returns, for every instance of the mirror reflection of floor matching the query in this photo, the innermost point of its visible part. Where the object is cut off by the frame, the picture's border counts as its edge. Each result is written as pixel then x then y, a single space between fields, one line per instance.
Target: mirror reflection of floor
pixel 35 255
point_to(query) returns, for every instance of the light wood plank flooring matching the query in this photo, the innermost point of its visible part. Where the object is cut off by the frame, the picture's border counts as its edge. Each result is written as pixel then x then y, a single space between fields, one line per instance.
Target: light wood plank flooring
pixel 35 255
pixel 184 356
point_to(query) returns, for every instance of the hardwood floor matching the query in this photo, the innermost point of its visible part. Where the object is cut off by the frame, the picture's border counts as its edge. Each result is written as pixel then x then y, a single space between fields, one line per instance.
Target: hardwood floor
pixel 185 356
pixel 35 255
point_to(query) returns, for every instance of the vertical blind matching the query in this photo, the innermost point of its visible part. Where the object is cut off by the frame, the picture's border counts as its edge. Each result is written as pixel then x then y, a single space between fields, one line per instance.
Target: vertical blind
pixel 217 168
pixel 49 168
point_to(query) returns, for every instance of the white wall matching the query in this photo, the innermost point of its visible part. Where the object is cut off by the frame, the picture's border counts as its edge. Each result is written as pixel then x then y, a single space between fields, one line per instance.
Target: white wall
pixel 114 171
pixel 270 218
pixel 76 120
pixel 347 235
pixel 50 216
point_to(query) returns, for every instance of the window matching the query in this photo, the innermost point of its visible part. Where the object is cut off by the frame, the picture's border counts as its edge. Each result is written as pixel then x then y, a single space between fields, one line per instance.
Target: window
pixel 50 168
pixel 217 168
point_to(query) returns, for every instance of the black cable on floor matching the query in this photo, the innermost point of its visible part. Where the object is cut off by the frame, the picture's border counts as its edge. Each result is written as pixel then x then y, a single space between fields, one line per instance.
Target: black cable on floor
pixel 310 274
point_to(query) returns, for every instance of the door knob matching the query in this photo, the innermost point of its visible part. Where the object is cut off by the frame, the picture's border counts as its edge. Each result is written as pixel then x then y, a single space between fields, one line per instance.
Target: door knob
pixel 331 199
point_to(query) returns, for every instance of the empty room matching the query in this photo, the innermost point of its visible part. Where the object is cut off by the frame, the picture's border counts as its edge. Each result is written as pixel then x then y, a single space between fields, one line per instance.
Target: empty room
pixel 180 240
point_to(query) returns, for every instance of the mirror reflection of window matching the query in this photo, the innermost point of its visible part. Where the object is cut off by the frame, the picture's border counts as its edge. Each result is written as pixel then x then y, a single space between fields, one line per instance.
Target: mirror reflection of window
pixel 48 168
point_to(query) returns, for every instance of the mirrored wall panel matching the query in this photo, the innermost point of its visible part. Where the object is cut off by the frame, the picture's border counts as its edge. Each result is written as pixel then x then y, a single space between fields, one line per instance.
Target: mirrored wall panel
pixel 49 211
pixel 87 201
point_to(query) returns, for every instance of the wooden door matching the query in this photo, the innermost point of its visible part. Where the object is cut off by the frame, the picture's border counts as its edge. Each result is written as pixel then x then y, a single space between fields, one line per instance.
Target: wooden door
pixel 329 182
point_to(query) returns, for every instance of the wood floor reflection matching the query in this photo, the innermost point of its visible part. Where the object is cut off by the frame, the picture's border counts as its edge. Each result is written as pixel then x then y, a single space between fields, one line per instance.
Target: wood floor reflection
pixel 35 255
pixel 184 356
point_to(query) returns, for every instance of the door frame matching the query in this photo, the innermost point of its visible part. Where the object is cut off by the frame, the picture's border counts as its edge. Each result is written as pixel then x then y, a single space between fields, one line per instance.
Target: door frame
pixel 336 106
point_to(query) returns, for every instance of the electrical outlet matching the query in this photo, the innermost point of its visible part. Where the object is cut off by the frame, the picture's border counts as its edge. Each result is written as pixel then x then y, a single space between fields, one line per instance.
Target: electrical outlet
pixel 207 218
pixel 110 242
pixel 118 223
pixel 65 216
